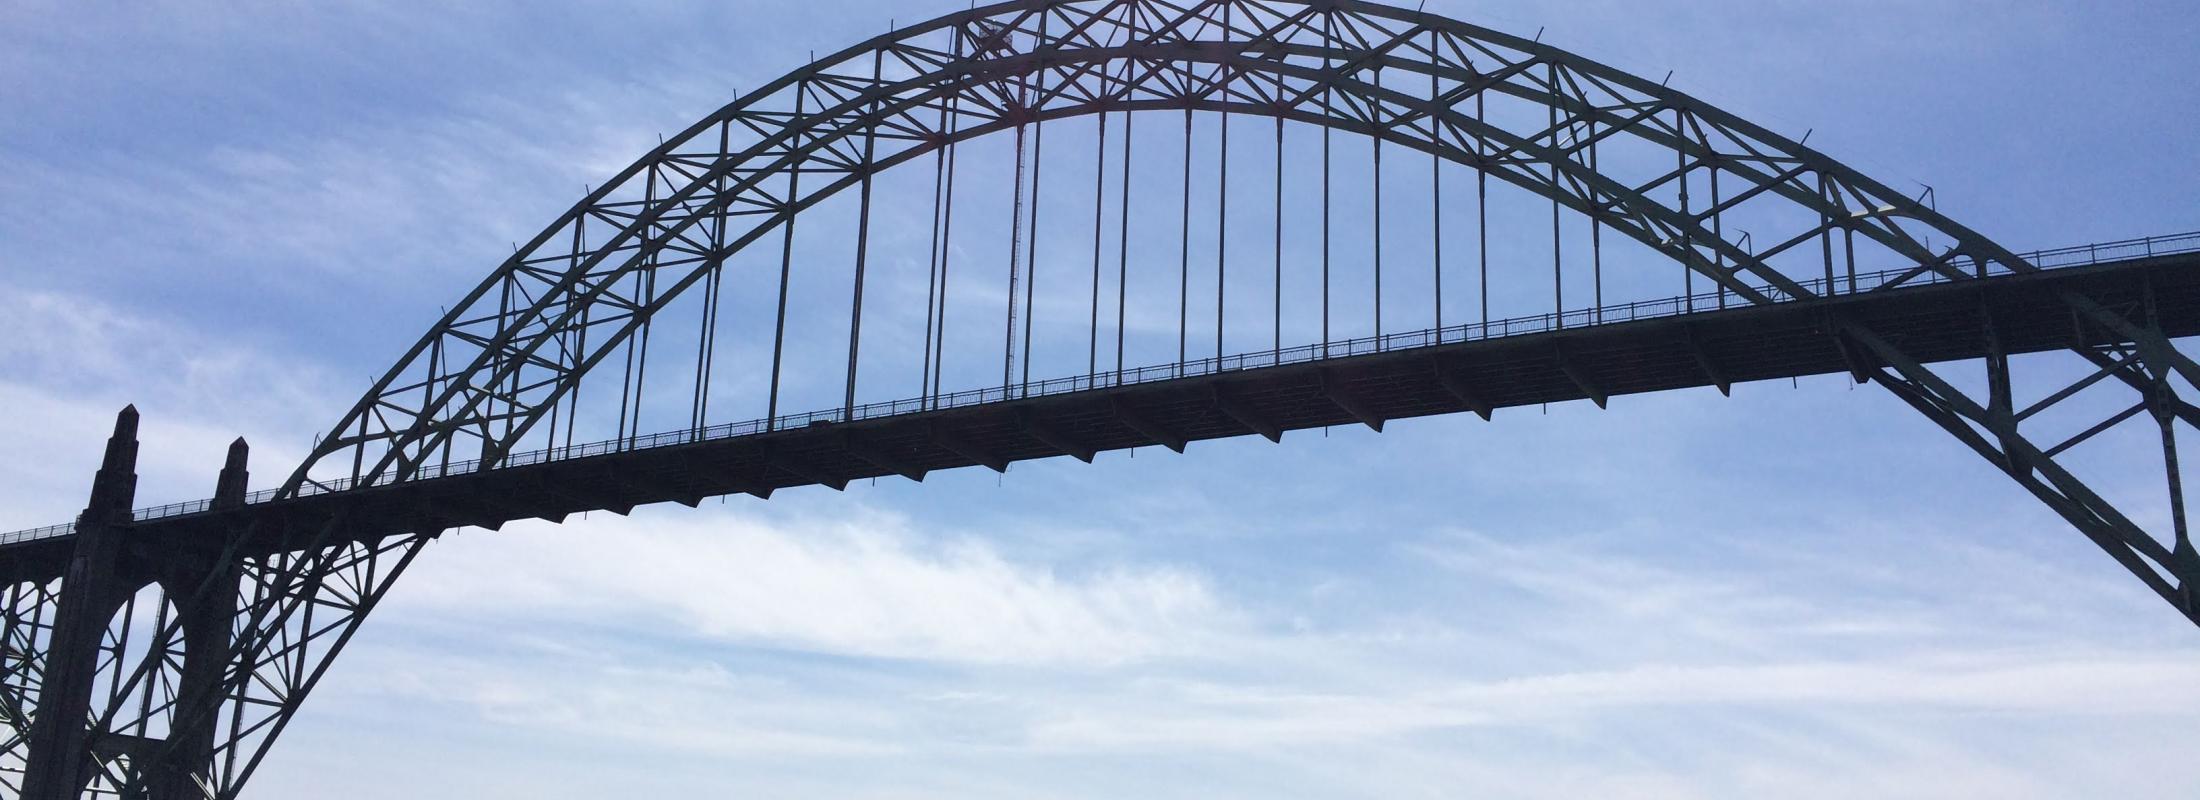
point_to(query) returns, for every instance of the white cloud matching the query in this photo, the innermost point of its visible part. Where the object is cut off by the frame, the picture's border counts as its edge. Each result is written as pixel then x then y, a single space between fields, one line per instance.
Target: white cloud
pixel 766 699
pixel 68 363
pixel 855 584
pixel 399 202
pixel 1170 715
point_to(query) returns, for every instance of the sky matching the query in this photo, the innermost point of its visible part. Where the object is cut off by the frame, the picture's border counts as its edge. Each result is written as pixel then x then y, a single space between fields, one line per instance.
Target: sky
pixel 235 217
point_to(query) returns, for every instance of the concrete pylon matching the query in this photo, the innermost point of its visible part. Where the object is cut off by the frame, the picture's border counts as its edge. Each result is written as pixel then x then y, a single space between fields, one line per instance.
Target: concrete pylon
pixel 58 764
pixel 203 586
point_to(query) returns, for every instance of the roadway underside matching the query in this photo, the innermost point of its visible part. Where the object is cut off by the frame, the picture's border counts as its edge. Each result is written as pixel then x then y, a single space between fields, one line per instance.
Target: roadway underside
pixel 1936 323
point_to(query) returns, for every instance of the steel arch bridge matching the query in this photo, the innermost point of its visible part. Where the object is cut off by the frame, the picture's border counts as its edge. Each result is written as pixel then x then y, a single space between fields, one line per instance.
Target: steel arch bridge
pixel 161 652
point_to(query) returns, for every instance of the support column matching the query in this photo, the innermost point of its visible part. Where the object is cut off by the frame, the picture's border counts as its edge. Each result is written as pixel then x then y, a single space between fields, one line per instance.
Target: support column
pixel 59 761
pixel 203 586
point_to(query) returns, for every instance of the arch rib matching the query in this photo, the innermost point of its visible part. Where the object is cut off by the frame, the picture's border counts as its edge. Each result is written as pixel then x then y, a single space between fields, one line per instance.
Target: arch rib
pixel 519 361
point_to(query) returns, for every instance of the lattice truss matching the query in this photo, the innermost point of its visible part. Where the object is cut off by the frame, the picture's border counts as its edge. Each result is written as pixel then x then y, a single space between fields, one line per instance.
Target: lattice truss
pixel 495 374
pixel 494 371
pixel 293 612
pixel 24 637
pixel 2032 423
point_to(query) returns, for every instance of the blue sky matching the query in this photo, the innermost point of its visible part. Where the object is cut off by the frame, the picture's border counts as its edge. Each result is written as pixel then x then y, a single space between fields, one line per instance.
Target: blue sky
pixel 235 218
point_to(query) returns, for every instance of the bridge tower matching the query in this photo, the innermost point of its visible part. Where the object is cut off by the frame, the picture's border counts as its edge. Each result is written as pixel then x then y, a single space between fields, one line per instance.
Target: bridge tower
pixel 109 567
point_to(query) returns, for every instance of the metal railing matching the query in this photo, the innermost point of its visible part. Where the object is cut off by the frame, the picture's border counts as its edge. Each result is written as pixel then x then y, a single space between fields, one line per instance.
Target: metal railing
pixel 2060 258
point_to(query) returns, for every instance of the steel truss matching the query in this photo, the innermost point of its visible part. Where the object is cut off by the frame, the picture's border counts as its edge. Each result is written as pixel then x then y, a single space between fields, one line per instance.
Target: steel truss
pixel 296 612
pixel 175 707
pixel 25 635
pixel 204 655
pixel 2123 352
pixel 496 368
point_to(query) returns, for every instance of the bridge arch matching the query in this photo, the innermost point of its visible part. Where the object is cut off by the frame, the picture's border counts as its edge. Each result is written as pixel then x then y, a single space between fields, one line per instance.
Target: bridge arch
pixel 499 362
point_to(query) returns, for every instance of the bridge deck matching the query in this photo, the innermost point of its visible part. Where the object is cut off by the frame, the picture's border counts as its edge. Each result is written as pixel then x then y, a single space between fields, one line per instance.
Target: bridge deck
pixel 1935 323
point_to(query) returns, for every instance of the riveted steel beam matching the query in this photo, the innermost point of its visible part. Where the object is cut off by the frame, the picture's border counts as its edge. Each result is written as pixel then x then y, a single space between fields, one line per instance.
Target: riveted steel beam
pixel 1053 437
pixel 948 439
pixel 1138 421
pixel 1237 409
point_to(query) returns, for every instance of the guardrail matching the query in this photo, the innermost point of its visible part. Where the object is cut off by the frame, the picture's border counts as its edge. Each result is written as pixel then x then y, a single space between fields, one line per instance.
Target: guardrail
pixel 2060 258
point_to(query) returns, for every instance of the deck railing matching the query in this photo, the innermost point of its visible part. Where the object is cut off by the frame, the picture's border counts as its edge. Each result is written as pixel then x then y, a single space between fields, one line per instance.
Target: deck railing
pixel 2060 258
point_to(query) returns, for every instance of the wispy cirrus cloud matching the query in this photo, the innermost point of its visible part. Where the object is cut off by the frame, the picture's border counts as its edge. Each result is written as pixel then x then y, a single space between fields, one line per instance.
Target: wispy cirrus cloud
pixel 738 635
pixel 858 583
pixel 69 362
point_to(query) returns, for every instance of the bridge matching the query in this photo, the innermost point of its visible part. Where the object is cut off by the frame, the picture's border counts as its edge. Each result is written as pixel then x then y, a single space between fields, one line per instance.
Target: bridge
pixel 1556 231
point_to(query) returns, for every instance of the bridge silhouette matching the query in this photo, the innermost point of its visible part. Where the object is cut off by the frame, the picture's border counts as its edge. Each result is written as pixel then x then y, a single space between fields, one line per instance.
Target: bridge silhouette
pixel 1653 345
pixel 160 652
